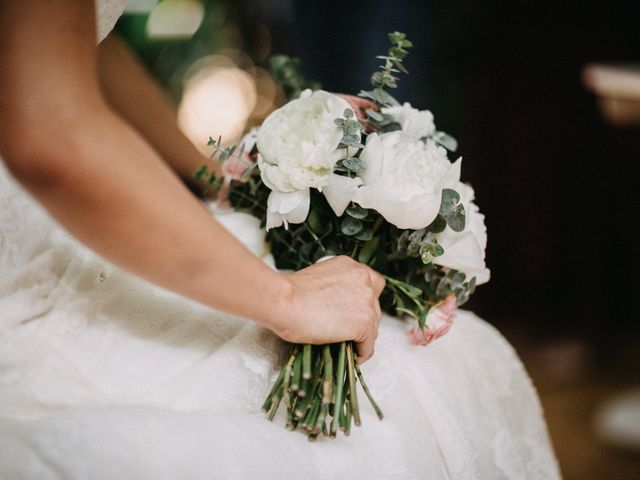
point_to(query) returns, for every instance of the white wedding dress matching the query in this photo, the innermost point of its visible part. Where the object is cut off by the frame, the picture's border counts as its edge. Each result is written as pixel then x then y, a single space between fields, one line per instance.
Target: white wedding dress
pixel 104 376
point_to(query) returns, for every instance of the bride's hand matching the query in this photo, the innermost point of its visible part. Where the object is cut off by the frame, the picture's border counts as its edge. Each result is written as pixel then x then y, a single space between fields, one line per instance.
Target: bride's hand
pixel 329 302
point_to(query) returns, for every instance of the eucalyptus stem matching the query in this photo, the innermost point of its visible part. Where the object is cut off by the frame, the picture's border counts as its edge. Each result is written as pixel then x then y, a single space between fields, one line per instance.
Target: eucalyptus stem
pixel 297 373
pixel 276 403
pixel 366 389
pixel 327 387
pixel 267 403
pixel 339 389
pixel 347 429
pixel 353 395
pixel 306 361
pixel 287 375
pixel 325 401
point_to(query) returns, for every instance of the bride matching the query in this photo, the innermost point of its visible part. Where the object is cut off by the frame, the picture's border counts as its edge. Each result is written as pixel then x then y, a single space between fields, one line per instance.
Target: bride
pixel 117 362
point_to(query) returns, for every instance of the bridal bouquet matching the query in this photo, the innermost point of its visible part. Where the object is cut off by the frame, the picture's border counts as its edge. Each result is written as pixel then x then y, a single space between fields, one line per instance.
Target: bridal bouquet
pixel 370 178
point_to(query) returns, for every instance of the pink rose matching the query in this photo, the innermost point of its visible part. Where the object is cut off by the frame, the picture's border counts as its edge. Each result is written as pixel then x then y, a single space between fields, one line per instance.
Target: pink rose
pixel 439 322
pixel 236 166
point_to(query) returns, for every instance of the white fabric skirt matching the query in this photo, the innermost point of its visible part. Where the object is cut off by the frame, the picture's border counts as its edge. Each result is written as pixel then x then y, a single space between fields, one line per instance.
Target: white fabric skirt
pixel 105 376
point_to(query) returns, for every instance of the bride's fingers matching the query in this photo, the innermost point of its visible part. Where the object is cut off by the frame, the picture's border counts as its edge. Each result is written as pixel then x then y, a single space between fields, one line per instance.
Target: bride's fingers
pixel 377 282
pixel 378 316
pixel 365 349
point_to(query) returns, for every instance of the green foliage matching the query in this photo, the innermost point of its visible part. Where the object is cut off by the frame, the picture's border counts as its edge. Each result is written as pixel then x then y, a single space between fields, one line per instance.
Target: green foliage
pixel 446 140
pixel 419 244
pixel 452 210
pixel 386 78
pixel 287 71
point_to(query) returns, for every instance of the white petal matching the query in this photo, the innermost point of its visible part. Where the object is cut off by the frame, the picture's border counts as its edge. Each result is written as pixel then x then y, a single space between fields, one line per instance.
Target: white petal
pixel 372 158
pixel 340 191
pixel 414 213
pixel 452 177
pixel 287 207
pixel 463 252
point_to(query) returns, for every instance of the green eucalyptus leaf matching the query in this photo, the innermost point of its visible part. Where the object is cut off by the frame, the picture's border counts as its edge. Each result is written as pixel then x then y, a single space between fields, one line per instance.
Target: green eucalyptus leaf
pixel 438 225
pixel 375 115
pixel 379 96
pixel 348 113
pixel 365 234
pixel 315 223
pixel 457 219
pixel 351 140
pixel 369 250
pixel 397 52
pixel 352 126
pixel 472 285
pixel 426 256
pixel 353 164
pixel 201 172
pixel 356 211
pixel 396 37
pixel 350 226
pixel 443 289
pixel 462 296
pixel 422 316
pixel 437 250
pixel 406 311
pixel 450 199
pixel 446 140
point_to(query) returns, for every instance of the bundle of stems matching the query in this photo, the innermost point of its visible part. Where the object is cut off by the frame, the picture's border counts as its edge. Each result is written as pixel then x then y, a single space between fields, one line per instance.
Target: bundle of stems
pixel 318 388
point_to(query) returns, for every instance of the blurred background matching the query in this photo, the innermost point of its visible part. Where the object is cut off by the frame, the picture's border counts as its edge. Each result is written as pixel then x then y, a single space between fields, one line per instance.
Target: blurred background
pixel 544 99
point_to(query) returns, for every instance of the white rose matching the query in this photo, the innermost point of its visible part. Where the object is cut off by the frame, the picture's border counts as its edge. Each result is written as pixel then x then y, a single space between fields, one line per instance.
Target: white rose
pixel 298 147
pixel 465 251
pixel 403 179
pixel 415 123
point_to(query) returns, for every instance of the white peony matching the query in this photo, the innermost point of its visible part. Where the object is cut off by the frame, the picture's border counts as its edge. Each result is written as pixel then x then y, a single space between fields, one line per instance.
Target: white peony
pixel 298 151
pixel 403 178
pixel 465 251
pixel 415 123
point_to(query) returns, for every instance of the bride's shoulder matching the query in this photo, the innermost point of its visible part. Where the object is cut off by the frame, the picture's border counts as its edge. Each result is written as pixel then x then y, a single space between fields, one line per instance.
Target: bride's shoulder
pixel 107 14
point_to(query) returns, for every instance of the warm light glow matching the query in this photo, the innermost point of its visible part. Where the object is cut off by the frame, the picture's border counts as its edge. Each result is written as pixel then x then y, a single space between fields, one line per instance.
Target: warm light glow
pixel 175 19
pixel 267 94
pixel 217 101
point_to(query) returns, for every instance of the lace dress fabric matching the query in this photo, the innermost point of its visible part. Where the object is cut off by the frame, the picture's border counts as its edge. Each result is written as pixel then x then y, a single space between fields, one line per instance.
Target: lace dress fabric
pixel 103 376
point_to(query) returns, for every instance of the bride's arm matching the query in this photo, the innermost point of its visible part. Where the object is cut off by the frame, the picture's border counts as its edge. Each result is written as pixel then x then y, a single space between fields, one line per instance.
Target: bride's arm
pixel 104 182
pixel 136 98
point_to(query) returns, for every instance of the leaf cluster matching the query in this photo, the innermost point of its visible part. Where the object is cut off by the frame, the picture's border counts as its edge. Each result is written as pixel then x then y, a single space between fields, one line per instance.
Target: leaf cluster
pixel 386 77
pixel 287 71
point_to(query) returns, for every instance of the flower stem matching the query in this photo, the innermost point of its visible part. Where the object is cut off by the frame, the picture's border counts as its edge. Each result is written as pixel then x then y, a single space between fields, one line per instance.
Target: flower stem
pixel 267 403
pixel 276 403
pixel 297 373
pixel 287 375
pixel 306 362
pixel 353 396
pixel 339 403
pixel 327 387
pixel 366 390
